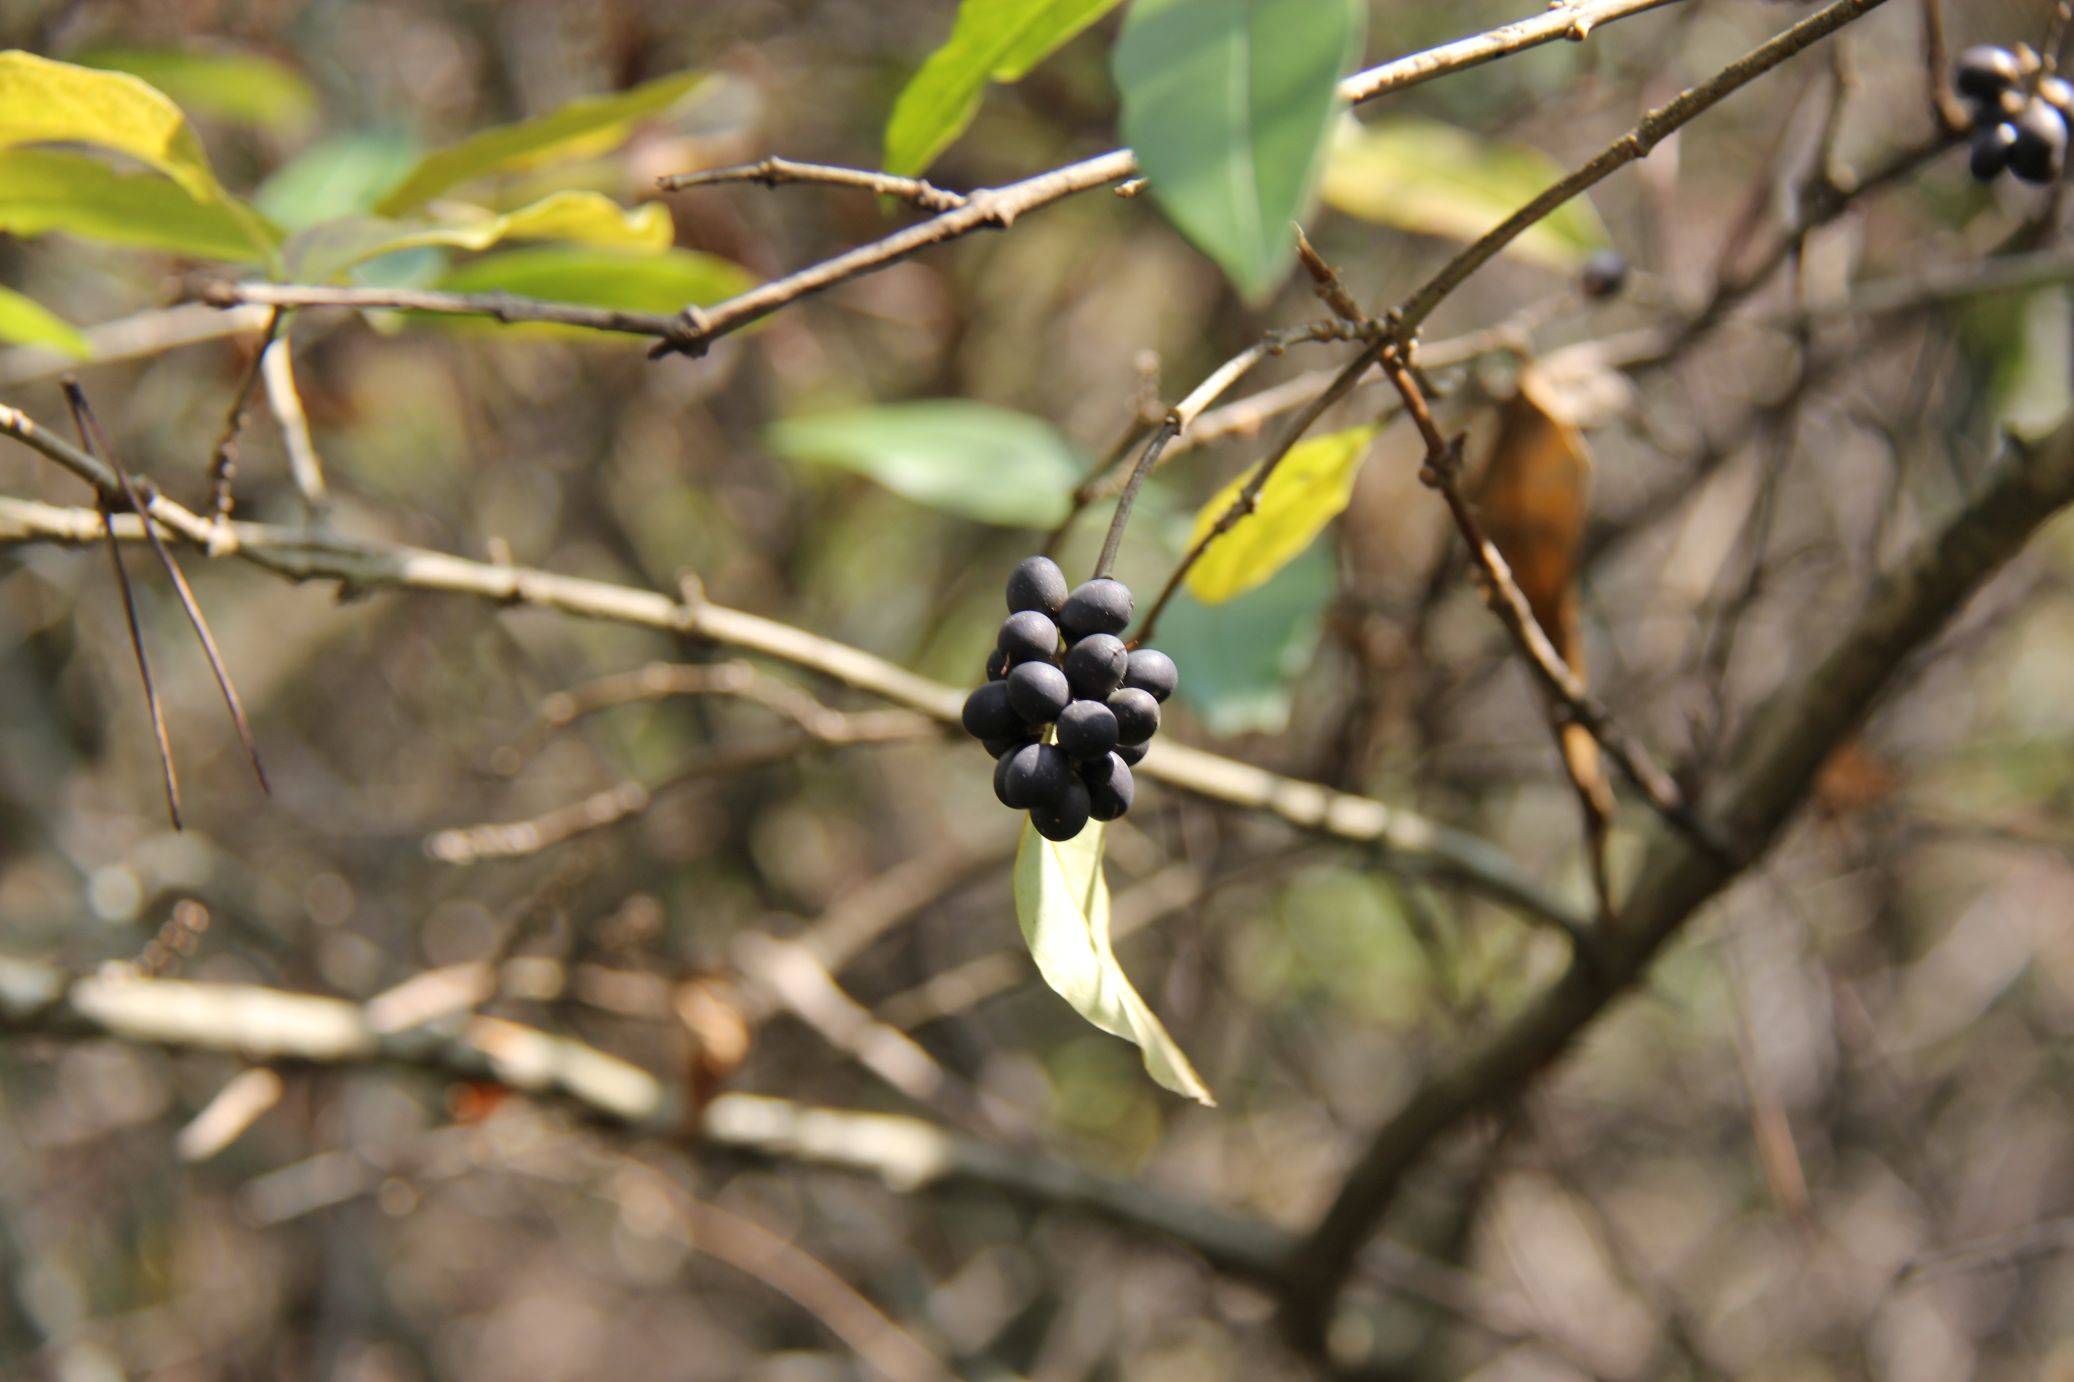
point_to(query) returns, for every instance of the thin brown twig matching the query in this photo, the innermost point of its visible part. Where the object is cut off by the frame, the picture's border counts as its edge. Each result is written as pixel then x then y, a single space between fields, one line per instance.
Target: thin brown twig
pixel 223 462
pixel 665 680
pixel 778 172
pixel 167 775
pixel 1244 502
pixel 600 810
pixel 133 496
pixel 1441 472
pixel 1635 144
pixel 504 307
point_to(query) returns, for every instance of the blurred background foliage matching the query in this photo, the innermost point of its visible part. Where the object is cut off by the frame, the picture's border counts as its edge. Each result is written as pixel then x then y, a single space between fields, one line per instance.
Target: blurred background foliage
pixel 1762 1167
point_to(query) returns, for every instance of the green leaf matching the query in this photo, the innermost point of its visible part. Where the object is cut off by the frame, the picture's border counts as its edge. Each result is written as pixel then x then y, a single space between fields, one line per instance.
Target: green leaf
pixel 324 252
pixel 24 322
pixel 970 459
pixel 1062 901
pixel 43 191
pixel 1307 490
pixel 1228 105
pixel 46 102
pixel 242 87
pixel 993 40
pixel 585 126
pixel 1435 179
pixel 662 282
pixel 336 177
pixel 1239 660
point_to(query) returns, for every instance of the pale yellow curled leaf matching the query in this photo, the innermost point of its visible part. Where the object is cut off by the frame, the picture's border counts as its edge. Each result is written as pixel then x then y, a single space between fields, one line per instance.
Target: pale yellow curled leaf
pixel 47 102
pixel 327 250
pixel 1432 178
pixel 1309 489
pixel 582 127
pixel 30 323
pixel 1062 901
pixel 46 190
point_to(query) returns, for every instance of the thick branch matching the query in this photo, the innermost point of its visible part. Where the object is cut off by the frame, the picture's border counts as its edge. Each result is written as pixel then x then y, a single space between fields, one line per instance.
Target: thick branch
pixel 1775 761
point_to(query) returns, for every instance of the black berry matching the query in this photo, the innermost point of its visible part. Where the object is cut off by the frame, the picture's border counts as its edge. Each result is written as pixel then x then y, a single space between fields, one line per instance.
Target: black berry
pixel 1991 148
pixel 996 747
pixel 1110 797
pixel 1131 755
pixel 1036 775
pixel 988 714
pixel 1028 636
pixel 1087 729
pixel 997 665
pixel 1137 715
pixel 1153 672
pixel 1007 789
pixel 2040 150
pixel 1095 665
pixel 1604 275
pixel 1065 817
pixel 1098 769
pixel 1037 691
pixel 1102 605
pixel 1037 583
pixel 1986 72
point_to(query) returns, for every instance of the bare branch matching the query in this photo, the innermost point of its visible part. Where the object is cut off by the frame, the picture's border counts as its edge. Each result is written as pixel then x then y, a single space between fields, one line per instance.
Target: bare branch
pixel 1775 762
pixel 1635 144
pixel 777 172
pixel 1403 839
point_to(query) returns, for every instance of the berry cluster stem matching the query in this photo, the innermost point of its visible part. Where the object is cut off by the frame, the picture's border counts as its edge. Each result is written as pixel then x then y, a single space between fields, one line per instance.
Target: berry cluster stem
pixel 1147 459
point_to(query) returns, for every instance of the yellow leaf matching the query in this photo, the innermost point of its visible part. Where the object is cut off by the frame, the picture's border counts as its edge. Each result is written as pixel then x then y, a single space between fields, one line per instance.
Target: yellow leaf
pixel 46 102
pixel 1307 490
pixel 44 190
pixel 586 126
pixel 329 249
pixel 1433 179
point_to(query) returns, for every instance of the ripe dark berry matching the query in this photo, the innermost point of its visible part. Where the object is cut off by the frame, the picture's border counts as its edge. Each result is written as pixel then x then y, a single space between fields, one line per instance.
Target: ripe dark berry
pixel 1102 605
pixel 1028 636
pixel 1131 755
pixel 1096 770
pixel 1991 148
pixel 988 714
pixel 2040 150
pixel 1036 775
pixel 1095 665
pixel 1008 789
pixel 1067 816
pixel 1087 729
pixel 996 747
pixel 1604 275
pixel 1152 671
pixel 1110 797
pixel 997 665
pixel 1037 583
pixel 1986 72
pixel 1037 691
pixel 1137 715
pixel 2058 93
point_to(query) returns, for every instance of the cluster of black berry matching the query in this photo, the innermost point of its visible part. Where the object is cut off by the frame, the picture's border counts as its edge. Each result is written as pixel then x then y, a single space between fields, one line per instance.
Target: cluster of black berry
pixel 2023 129
pixel 1067 710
